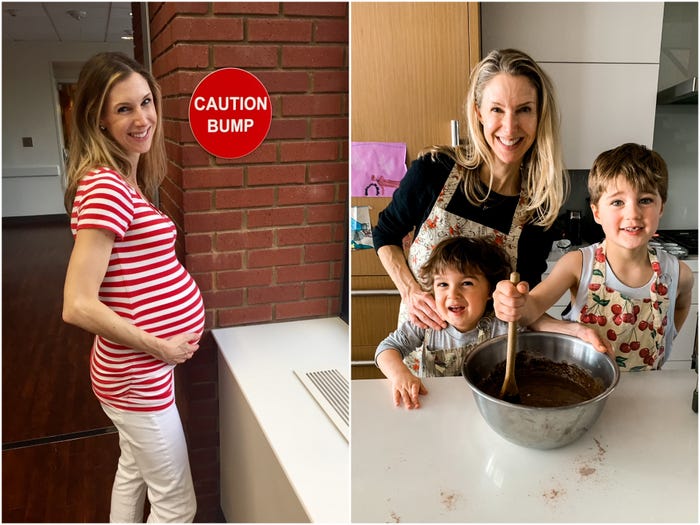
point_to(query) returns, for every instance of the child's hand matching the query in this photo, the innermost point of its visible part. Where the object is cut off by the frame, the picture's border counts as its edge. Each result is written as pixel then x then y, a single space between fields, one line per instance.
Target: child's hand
pixel 509 300
pixel 406 389
pixel 589 335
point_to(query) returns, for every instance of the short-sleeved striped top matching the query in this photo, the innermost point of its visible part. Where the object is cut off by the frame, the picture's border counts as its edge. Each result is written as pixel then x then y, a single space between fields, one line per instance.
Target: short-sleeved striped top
pixel 145 284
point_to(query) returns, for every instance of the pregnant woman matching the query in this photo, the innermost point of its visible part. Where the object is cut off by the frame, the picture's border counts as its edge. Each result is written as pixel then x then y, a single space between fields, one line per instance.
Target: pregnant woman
pixel 125 284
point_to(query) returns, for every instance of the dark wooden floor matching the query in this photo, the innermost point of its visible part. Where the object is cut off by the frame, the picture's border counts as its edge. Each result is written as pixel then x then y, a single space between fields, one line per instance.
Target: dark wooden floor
pixel 65 481
pixel 59 449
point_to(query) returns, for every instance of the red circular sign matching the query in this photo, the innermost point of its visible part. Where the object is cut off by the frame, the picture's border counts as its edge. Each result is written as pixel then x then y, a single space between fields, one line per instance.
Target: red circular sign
pixel 230 113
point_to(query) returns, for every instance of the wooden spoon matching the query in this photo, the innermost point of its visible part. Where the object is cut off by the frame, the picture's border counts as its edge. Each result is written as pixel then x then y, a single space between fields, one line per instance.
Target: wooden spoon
pixel 509 390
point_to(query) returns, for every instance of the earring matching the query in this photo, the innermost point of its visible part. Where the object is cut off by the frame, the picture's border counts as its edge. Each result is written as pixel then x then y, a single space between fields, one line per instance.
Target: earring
pixel 102 128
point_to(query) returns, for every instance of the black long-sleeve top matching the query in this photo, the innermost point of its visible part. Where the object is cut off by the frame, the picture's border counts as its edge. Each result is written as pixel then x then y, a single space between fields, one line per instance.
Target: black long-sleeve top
pixel 419 189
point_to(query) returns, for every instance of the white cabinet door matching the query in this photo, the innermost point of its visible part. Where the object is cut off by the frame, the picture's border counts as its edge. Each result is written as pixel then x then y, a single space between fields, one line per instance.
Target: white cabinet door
pixel 558 307
pixel 575 31
pixel 686 339
pixel 556 310
pixel 684 342
pixel 603 106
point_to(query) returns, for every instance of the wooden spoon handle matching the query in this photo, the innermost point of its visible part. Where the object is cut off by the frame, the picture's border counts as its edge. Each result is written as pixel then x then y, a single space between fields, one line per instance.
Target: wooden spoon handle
pixel 512 330
pixel 509 390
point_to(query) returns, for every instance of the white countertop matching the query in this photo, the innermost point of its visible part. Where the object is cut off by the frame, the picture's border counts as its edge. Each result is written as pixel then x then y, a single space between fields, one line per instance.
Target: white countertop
pixel 443 463
pixel 313 453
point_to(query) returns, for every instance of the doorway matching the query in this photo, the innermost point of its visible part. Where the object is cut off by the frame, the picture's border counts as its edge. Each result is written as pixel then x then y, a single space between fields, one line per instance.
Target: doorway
pixel 66 92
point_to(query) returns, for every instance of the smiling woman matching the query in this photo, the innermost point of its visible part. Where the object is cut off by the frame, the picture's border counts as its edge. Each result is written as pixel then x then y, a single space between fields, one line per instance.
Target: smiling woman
pixel 506 183
pixel 91 142
pixel 125 284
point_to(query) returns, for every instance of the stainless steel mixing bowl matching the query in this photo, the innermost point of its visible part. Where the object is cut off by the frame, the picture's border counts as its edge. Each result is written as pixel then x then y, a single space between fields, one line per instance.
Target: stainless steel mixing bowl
pixel 540 427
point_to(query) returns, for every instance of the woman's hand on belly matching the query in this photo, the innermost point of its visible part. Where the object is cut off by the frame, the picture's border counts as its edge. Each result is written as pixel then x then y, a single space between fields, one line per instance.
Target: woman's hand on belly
pixel 179 348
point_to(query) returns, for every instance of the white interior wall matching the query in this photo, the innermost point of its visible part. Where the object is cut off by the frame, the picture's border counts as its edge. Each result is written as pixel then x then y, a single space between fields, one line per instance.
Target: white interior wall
pixel 31 176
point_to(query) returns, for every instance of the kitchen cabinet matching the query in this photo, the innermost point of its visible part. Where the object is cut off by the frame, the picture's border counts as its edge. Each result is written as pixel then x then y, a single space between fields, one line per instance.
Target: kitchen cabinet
pixel 374 306
pixel 410 66
pixel 410 70
pixel 613 32
pixel 686 340
pixel 678 61
pixel 603 106
pixel 560 305
pixel 603 59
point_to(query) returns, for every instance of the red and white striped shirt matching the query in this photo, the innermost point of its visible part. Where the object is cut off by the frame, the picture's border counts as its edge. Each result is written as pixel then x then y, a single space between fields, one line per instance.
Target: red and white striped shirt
pixel 144 283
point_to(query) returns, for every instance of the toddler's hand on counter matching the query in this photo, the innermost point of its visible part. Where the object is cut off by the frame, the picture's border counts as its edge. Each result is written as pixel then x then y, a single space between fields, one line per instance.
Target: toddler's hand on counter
pixel 407 390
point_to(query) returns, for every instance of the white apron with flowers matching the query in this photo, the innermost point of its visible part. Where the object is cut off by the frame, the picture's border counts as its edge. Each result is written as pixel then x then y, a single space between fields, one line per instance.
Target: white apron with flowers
pixel 442 224
pixel 634 327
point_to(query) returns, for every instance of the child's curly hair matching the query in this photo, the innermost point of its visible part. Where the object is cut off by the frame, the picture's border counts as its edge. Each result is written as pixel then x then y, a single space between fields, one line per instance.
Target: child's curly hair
pixel 467 255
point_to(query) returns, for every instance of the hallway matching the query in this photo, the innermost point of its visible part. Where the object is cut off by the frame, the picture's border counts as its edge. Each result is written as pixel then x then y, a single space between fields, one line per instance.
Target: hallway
pixel 59 450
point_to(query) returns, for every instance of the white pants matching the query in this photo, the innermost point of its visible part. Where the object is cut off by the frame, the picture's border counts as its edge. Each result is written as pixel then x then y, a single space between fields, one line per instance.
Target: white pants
pixel 153 460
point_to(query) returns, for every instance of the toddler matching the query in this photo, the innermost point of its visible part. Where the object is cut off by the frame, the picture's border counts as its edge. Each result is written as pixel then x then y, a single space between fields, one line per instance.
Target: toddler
pixel 462 274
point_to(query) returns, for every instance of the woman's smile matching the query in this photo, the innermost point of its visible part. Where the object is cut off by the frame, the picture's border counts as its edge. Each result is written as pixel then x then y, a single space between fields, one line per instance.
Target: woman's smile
pixel 140 135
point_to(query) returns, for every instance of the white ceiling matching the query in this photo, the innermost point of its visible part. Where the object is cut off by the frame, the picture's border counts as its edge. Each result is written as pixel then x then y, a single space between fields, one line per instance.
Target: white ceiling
pixel 52 22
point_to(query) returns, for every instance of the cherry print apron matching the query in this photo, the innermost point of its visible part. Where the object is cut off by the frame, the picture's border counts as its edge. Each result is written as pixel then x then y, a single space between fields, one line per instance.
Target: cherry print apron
pixel 442 224
pixel 425 362
pixel 634 327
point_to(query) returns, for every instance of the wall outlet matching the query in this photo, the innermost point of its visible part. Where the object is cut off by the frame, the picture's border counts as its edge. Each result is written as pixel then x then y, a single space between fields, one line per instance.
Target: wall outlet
pixel 27 142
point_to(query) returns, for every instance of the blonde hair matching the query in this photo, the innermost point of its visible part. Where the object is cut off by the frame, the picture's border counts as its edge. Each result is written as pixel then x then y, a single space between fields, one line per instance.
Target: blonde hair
pixel 90 147
pixel 643 168
pixel 544 177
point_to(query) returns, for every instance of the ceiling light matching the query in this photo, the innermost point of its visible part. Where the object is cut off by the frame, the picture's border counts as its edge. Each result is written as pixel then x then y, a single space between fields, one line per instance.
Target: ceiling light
pixel 77 14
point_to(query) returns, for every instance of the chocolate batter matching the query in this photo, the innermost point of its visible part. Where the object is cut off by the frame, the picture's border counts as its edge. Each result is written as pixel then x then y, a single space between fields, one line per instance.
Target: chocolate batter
pixel 544 383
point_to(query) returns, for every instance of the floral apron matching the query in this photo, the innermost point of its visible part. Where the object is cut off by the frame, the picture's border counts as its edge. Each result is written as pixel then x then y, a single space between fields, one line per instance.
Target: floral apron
pixel 424 362
pixel 442 224
pixel 634 327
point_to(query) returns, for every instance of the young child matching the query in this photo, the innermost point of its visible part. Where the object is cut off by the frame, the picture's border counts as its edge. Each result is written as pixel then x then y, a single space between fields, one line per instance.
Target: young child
pixel 636 297
pixel 462 273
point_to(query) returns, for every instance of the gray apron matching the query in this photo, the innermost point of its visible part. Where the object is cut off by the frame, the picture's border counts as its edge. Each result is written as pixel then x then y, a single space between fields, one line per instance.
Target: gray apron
pixel 427 361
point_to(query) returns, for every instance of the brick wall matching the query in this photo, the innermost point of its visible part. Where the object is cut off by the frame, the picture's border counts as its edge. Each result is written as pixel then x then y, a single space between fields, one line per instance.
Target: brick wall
pixel 264 236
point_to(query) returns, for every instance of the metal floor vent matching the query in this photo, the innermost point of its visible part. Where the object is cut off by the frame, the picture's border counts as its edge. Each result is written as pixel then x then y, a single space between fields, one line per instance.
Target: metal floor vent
pixel 331 391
